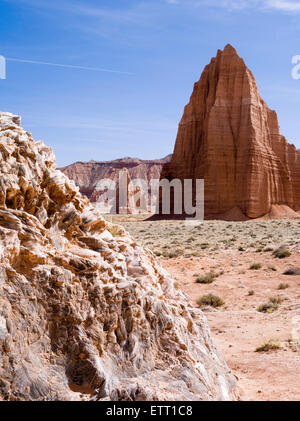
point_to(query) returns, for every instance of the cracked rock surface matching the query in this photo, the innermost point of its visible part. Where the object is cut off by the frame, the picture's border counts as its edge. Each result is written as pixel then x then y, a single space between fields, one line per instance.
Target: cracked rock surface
pixel 85 312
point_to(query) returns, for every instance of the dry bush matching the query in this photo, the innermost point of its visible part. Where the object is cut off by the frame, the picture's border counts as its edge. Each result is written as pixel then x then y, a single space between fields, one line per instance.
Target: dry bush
pixel 283 285
pixel 282 252
pixel 271 306
pixel 271 345
pixel 209 278
pixel 210 300
pixel 255 266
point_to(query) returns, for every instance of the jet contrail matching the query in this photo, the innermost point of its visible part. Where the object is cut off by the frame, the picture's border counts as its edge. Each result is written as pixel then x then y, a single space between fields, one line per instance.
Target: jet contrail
pixel 69 66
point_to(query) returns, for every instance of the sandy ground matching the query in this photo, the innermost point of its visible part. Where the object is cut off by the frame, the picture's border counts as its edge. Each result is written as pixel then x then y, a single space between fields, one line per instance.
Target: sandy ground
pixel 229 249
pixel 238 328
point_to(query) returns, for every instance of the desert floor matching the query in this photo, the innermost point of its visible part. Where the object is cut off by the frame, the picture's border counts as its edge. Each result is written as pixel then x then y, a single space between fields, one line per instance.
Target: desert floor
pixel 190 251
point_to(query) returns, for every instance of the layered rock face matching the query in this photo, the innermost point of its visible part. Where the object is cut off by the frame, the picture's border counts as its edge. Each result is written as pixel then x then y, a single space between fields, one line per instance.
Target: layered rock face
pixel 230 138
pixel 85 312
pixel 87 175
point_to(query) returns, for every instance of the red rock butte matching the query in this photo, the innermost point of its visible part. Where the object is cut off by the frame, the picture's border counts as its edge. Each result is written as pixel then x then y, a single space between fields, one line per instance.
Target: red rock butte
pixel 229 137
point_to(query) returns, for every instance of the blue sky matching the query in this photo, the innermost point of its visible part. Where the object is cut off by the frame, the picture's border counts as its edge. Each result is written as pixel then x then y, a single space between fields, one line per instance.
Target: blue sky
pixel 156 50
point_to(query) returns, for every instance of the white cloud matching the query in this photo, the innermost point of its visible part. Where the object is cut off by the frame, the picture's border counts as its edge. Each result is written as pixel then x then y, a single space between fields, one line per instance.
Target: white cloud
pixel 279 5
pixel 133 13
pixel 287 6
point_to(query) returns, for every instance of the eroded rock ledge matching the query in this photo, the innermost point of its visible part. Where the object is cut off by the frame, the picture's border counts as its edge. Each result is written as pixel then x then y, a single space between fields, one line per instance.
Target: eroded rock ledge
pixel 85 312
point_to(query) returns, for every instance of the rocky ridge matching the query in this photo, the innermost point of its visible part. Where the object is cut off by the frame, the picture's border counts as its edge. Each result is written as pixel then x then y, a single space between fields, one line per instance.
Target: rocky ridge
pixel 87 175
pixel 85 312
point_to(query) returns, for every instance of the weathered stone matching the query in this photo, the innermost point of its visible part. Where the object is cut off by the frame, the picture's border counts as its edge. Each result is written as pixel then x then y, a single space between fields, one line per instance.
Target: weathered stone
pixel 84 314
pixel 230 138
pixel 3 328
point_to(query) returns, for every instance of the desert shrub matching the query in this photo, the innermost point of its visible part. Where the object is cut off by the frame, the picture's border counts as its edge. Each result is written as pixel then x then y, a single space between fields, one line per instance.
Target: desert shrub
pixel 283 285
pixel 276 300
pixel 251 292
pixel 267 307
pixel 282 252
pixel 255 266
pixel 270 306
pixel 209 278
pixel 210 300
pixel 268 346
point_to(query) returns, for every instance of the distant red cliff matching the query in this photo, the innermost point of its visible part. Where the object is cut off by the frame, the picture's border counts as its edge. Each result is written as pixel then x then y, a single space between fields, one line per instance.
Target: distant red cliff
pixel 229 137
pixel 86 175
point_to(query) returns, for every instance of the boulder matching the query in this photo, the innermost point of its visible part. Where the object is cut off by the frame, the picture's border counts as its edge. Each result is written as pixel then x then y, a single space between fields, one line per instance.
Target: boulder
pixel 85 312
